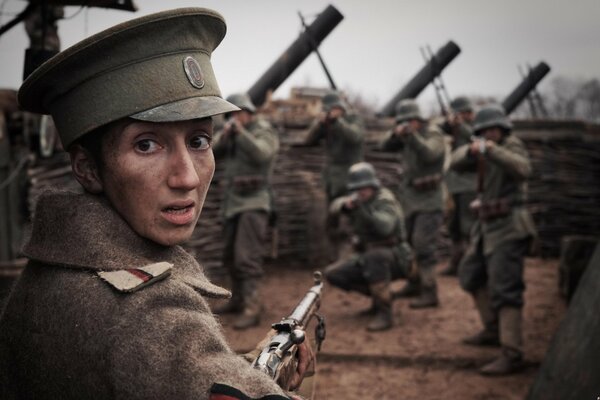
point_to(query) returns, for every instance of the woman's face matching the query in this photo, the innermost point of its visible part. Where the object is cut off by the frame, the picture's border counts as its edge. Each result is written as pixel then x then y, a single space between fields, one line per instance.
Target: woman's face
pixel 156 176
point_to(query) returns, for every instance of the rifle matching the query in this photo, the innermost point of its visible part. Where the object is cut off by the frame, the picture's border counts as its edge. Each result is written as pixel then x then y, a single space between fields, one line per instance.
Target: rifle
pixel 278 358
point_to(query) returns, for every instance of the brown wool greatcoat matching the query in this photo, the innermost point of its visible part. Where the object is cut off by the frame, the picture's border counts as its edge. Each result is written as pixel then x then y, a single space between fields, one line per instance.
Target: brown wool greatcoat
pixel 66 333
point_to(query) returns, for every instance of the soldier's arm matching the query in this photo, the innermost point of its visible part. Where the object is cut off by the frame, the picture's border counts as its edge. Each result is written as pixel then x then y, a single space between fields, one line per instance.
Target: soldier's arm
pixel 429 146
pixel 315 133
pixel 261 146
pixel 392 142
pixel 462 160
pixel 463 135
pixel 337 206
pixel 176 350
pixel 351 129
pixel 381 217
pixel 512 158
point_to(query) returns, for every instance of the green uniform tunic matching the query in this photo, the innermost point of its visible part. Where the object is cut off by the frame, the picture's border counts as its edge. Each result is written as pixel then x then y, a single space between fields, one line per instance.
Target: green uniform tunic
pixel 462 187
pixel 507 167
pixel 501 235
pixel 249 158
pixel 383 253
pixel 422 155
pixel 344 139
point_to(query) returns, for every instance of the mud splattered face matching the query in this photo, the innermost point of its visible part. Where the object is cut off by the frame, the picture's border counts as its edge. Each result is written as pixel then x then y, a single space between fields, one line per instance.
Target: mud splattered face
pixel 156 176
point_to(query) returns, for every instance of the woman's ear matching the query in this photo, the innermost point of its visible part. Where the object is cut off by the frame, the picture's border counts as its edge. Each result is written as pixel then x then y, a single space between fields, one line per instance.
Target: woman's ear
pixel 85 169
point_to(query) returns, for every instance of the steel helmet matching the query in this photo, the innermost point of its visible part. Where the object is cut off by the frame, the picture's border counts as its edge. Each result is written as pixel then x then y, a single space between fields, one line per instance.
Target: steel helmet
pixel 408 109
pixel 331 100
pixel 491 116
pixel 461 104
pixel 243 101
pixel 362 175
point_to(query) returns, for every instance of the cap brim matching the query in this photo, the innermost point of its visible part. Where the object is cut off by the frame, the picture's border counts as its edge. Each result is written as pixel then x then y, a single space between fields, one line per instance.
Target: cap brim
pixel 186 109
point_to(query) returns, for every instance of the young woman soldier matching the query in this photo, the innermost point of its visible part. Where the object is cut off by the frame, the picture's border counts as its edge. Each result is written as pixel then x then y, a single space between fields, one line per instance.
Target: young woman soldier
pixel 109 306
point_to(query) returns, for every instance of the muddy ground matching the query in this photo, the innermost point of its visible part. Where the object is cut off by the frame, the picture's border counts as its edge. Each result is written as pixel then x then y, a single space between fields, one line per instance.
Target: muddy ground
pixel 422 356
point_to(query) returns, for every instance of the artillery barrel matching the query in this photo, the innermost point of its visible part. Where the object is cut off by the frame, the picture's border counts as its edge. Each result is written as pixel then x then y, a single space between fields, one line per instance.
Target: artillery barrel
pixel 512 101
pixel 295 54
pixel 424 77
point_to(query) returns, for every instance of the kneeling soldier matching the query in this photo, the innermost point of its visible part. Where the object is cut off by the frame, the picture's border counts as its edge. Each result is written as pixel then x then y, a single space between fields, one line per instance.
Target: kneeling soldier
pixel 382 254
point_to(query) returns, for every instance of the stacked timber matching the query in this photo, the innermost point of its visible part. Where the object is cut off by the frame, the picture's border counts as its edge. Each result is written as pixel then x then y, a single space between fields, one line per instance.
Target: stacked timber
pixel 564 189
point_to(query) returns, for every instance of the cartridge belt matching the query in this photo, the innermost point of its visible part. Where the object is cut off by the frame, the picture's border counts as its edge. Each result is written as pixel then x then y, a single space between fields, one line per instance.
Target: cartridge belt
pixel 427 182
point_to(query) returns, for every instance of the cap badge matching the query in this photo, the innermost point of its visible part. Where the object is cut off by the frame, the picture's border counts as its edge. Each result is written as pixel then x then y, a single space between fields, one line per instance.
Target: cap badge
pixel 193 72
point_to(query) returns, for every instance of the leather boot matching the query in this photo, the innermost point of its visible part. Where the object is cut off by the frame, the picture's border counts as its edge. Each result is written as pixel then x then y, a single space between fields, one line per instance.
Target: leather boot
pixel 235 304
pixel 427 299
pixel 458 251
pixel 382 298
pixel 489 336
pixel 250 316
pixel 511 357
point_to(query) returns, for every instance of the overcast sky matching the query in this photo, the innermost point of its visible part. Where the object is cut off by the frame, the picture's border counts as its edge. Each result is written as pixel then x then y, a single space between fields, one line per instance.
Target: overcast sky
pixel 375 49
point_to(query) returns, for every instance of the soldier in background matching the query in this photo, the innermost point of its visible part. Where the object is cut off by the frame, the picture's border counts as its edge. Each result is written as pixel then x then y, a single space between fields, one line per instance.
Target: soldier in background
pixel 383 253
pixel 422 147
pixel 492 269
pixel 343 133
pixel 248 145
pixel 461 186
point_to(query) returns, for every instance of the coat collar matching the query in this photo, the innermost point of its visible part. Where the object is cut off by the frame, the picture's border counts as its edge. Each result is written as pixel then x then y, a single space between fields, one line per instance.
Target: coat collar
pixel 84 231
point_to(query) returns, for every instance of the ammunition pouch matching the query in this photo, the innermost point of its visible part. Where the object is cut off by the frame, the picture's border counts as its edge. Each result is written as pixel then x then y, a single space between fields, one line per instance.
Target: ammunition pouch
pixel 247 184
pixel 427 182
pixel 493 209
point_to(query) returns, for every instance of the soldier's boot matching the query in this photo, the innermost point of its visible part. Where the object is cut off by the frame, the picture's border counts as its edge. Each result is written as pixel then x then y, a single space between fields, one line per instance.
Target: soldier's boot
pixel 427 299
pixel 511 356
pixel 250 315
pixel 382 298
pixel 235 304
pixel 489 335
pixel 368 312
pixel 457 253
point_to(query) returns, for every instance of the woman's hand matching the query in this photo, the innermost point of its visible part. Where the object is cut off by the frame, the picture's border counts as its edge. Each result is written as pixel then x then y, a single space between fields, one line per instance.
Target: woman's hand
pixel 305 360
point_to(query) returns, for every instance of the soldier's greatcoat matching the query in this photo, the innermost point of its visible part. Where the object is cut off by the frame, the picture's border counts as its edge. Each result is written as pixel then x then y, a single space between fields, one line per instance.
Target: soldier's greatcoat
pixel 423 163
pixel 250 157
pixel 73 329
pixel 507 167
pixel 344 139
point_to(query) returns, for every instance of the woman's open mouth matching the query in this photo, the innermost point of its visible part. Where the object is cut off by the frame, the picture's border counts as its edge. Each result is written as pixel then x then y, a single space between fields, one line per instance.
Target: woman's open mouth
pixel 179 214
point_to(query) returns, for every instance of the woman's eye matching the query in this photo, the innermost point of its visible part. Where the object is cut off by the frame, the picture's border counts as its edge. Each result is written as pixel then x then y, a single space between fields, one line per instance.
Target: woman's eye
pixel 200 142
pixel 146 145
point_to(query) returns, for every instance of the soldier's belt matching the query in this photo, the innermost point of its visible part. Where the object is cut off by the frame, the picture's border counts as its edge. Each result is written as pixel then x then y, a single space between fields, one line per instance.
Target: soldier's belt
pixel 389 242
pixel 495 208
pixel 248 183
pixel 427 182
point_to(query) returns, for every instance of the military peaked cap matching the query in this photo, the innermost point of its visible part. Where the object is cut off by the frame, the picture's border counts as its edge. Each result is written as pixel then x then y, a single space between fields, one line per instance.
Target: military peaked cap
pixel 154 68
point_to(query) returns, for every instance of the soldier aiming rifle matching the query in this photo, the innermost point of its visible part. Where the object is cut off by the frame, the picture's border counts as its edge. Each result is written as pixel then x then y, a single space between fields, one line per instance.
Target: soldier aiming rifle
pixel 492 269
